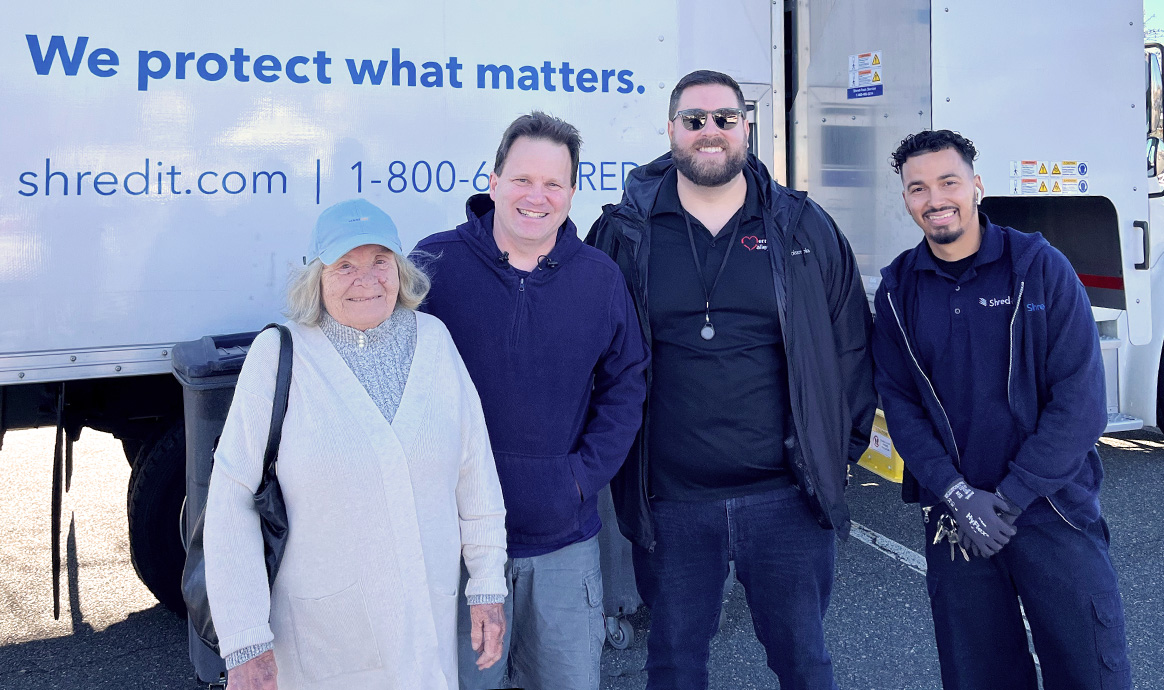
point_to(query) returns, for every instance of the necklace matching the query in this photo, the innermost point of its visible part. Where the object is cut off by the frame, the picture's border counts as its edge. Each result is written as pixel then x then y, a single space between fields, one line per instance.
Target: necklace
pixel 708 330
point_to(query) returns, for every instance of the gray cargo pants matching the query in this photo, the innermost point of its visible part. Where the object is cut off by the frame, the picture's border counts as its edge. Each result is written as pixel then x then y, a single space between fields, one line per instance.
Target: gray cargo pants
pixel 554 628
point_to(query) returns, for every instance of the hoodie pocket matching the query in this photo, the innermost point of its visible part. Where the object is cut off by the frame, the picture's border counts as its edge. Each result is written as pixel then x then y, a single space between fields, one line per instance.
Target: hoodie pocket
pixel 541 496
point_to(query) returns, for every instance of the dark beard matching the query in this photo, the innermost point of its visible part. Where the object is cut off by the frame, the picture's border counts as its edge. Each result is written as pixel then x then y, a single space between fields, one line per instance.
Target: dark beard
pixel 947 236
pixel 951 235
pixel 709 175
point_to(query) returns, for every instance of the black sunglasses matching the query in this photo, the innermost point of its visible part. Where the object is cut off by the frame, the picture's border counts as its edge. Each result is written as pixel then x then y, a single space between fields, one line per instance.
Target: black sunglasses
pixel 694 119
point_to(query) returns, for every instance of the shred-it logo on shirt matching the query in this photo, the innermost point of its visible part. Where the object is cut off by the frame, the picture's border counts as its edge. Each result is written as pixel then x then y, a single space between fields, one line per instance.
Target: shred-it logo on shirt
pixel 994 302
pixel 751 243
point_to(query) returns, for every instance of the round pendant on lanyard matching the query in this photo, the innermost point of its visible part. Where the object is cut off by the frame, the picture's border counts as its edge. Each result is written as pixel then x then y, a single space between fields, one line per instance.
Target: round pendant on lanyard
pixel 708 330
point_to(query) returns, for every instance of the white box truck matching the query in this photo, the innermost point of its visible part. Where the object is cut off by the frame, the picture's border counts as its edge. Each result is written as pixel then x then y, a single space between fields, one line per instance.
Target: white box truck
pixel 162 164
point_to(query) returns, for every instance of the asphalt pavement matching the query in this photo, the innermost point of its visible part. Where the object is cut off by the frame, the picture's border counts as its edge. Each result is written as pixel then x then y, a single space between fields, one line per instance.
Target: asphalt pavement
pixel 113 634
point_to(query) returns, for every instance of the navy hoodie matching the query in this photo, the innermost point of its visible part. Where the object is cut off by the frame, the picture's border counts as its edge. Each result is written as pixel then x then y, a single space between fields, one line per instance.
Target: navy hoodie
pixel 559 361
pixel 1055 384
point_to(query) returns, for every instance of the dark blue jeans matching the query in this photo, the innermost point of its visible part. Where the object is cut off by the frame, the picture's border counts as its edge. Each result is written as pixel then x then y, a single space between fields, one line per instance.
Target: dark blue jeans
pixel 1069 592
pixel 784 560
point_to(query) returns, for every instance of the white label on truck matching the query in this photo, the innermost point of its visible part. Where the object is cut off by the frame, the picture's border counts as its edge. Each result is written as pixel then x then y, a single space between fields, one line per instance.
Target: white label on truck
pixel 865 75
pixel 870 60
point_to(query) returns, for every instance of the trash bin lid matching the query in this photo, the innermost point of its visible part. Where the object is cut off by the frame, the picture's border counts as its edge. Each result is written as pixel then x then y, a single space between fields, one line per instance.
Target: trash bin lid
pixel 211 356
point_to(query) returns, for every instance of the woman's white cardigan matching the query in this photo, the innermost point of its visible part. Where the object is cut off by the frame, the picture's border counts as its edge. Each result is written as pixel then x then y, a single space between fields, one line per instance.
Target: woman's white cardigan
pixel 379 515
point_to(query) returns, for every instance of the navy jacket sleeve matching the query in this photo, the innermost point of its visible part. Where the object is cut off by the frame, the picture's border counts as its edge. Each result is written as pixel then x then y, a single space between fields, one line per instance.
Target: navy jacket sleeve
pixel 852 327
pixel 910 426
pixel 616 403
pixel 1073 414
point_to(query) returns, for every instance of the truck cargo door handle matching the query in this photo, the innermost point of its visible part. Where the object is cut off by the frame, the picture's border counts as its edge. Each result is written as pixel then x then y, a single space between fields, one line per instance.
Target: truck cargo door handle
pixel 1143 224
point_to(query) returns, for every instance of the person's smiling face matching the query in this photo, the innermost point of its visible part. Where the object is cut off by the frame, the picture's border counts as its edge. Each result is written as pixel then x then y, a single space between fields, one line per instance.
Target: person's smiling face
pixel 360 288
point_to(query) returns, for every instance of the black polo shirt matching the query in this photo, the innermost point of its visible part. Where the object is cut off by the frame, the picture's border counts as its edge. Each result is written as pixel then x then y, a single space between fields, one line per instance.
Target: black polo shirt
pixel 720 407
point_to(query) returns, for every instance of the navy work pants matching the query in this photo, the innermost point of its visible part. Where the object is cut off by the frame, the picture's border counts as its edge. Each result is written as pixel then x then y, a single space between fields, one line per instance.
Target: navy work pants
pixel 1067 585
pixel 783 558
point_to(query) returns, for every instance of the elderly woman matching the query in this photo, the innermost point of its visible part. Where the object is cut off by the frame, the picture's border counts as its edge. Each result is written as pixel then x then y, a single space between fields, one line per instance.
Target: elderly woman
pixel 388 478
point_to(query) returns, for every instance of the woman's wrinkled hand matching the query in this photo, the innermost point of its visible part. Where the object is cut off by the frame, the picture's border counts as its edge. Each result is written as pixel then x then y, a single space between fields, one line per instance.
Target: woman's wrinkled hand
pixel 257 674
pixel 488 632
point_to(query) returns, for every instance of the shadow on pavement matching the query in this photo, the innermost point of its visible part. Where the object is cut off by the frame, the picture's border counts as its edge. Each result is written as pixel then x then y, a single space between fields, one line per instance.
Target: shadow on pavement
pixel 146 650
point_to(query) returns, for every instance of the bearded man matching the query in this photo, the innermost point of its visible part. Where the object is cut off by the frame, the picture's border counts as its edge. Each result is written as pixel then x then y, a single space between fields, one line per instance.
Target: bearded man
pixel 760 392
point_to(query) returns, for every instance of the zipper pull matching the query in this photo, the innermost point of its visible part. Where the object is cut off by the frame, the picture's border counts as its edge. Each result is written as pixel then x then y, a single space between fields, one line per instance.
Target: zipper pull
pixel 521 285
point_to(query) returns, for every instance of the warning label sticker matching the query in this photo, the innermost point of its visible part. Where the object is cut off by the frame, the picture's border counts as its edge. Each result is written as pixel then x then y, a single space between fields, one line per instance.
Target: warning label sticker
pixel 1048 177
pixel 865 75
pixel 881 444
pixel 865 60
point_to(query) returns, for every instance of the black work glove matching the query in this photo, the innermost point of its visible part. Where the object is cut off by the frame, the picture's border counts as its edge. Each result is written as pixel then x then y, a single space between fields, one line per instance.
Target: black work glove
pixel 975 513
pixel 1011 512
pixel 1009 515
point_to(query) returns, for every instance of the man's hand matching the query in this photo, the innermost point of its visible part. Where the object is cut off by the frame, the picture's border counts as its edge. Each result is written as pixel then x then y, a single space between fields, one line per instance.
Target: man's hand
pixel 487 633
pixel 1011 512
pixel 257 674
pixel 967 545
pixel 976 513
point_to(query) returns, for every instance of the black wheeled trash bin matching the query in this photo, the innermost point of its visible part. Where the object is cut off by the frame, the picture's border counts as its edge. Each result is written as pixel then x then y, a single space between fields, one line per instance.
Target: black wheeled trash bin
pixel 207 369
pixel 620 595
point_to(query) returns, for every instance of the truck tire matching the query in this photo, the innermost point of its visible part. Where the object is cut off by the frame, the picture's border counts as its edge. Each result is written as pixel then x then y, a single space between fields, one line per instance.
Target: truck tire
pixel 157 487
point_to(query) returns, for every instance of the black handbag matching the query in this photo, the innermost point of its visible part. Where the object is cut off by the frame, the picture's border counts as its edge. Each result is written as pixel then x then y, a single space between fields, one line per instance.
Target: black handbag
pixel 268 504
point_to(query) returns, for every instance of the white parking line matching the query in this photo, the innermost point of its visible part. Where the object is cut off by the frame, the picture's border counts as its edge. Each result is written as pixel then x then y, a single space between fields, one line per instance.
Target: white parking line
pixel 897 551
pixel 917 563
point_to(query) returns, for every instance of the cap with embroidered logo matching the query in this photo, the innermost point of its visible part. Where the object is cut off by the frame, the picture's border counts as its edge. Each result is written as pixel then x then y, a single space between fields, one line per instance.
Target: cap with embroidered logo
pixel 350 224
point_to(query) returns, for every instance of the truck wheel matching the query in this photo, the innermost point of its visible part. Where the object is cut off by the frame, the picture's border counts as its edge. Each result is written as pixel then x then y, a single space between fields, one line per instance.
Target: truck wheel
pixel 157 486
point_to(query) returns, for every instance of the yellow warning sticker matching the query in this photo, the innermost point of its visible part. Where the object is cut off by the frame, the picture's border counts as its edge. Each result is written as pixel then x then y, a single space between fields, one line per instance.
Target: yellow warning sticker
pixel 876 76
pixel 1043 187
pixel 1043 170
pixel 1056 189
pixel 1055 169
pixel 876 59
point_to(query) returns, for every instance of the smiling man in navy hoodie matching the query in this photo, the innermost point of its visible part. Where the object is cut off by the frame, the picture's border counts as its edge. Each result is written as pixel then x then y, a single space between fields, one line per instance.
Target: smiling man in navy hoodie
pixel 989 370
pixel 549 334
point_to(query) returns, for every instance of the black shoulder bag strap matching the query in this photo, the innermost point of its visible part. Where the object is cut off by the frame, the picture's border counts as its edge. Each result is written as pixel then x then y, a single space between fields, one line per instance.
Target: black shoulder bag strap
pixel 269 497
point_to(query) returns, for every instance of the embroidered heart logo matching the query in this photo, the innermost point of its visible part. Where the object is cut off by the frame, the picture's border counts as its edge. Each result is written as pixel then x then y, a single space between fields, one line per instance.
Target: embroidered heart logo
pixel 750 241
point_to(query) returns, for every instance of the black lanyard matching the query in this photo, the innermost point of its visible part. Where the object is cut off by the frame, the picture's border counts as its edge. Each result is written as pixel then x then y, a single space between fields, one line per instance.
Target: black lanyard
pixel 708 330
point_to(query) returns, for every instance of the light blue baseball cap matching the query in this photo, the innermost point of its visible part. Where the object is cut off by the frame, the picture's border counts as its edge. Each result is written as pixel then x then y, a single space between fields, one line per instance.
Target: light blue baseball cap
pixel 350 224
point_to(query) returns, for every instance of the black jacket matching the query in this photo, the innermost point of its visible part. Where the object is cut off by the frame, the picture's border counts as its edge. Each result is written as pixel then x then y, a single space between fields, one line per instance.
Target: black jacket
pixel 824 316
